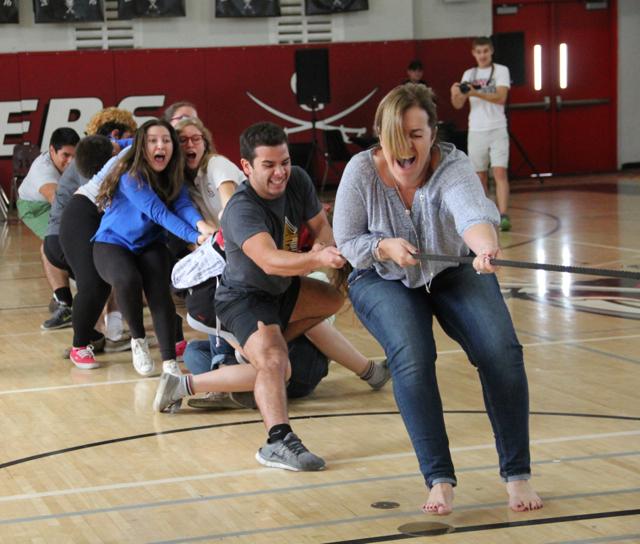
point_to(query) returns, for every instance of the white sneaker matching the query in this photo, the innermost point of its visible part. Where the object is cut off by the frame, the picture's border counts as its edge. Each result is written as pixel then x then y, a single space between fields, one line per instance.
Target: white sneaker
pixel 171 367
pixel 142 361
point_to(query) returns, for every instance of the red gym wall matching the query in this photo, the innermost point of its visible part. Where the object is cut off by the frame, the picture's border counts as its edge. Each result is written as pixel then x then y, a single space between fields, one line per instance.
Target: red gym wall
pixel 41 89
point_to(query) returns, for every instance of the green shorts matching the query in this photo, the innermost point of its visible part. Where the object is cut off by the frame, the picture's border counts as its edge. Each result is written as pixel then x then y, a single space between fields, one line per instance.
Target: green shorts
pixel 34 214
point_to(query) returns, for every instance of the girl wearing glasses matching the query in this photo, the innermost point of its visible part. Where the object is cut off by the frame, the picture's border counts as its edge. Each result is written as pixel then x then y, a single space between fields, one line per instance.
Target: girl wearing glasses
pixel 210 177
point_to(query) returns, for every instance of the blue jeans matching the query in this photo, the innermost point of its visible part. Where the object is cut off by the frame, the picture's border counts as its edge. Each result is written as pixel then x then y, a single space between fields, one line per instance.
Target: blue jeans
pixel 203 355
pixel 471 310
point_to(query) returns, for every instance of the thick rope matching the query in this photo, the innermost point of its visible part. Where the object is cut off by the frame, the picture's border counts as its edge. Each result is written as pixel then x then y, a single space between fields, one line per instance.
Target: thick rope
pixel 538 266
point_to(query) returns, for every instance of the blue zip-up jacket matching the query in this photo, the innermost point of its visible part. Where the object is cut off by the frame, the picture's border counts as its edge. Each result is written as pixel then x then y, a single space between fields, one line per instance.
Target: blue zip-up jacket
pixel 137 217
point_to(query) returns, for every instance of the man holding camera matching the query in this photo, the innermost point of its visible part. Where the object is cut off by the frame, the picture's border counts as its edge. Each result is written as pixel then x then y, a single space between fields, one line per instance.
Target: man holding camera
pixel 486 87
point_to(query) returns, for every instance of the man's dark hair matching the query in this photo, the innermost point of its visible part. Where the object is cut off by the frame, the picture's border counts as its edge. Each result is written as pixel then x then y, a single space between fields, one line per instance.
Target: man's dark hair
pixel 481 40
pixel 415 65
pixel 63 136
pixel 110 126
pixel 265 133
pixel 91 154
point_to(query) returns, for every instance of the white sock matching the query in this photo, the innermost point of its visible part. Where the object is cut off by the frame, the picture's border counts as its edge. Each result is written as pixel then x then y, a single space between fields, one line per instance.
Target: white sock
pixel 113 326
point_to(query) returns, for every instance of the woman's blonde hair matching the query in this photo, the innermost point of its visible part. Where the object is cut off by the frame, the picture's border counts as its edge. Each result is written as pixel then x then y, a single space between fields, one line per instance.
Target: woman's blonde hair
pixel 209 147
pixel 388 119
pixel 114 116
pixel 165 184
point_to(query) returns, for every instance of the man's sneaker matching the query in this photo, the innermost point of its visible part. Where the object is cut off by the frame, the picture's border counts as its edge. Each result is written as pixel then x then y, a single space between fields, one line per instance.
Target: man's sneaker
pixel 213 401
pixel 505 223
pixel 83 357
pixel 289 454
pixel 180 347
pixel 169 393
pixel 60 319
pixel 116 346
pixel 53 304
pixel 142 361
pixel 98 347
pixel 171 367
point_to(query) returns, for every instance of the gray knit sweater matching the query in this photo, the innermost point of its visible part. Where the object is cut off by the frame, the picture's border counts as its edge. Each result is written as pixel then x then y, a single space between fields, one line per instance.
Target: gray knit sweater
pixel 448 204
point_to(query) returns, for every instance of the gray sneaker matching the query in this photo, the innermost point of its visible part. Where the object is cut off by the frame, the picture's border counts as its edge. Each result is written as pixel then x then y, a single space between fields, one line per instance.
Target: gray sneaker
pixel 60 319
pixel 169 394
pixel 289 454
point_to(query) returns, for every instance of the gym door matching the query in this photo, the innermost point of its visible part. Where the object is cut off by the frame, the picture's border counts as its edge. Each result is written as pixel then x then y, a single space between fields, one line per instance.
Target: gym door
pixel 564 114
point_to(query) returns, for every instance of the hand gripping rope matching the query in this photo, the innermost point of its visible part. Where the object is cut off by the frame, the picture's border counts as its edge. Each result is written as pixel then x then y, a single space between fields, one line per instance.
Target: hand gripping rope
pixel 537 266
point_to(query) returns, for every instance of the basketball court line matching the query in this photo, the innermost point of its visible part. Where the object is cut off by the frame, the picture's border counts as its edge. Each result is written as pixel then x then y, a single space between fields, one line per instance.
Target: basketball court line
pixel 367 459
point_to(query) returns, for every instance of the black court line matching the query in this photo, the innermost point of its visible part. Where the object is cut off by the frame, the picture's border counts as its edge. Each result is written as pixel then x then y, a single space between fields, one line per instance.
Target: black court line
pixel 259 421
pixel 491 526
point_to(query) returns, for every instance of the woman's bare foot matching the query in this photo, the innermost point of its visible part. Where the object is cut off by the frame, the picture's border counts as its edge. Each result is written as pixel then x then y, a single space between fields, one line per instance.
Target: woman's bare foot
pixel 522 497
pixel 440 500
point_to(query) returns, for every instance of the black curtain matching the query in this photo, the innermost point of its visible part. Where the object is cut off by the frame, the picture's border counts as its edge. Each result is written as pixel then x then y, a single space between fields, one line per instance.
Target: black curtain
pixel 247 8
pixel 9 11
pixel 128 9
pixel 67 11
pixel 315 7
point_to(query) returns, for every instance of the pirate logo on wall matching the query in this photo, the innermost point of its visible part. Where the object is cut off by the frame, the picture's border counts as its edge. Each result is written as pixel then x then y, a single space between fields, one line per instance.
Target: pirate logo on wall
pixel 65 11
pixel 9 11
pixel 247 8
pixel 128 9
pixel 316 7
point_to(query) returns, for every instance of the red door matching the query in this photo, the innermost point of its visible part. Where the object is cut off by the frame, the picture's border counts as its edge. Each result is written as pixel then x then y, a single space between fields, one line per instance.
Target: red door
pixel 565 118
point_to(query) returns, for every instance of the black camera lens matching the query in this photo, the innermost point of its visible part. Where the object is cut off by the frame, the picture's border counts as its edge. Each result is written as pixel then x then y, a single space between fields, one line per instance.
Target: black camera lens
pixel 465 88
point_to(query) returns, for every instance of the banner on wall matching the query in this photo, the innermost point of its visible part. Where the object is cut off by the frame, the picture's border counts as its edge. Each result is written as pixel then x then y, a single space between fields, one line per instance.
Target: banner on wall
pixel 247 8
pixel 316 7
pixel 129 9
pixel 9 11
pixel 68 11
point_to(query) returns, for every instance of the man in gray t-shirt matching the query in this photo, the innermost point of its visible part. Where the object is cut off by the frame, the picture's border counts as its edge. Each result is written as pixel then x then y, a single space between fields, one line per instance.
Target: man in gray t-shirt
pixel 264 298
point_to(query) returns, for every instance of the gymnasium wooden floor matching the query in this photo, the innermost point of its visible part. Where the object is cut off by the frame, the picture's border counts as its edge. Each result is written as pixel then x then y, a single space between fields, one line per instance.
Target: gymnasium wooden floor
pixel 83 458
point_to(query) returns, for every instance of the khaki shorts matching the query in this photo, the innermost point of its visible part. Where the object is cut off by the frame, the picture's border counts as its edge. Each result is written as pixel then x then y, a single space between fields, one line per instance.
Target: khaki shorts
pixel 488 147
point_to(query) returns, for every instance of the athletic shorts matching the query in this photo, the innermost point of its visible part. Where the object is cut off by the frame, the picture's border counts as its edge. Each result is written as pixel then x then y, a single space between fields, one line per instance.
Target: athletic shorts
pixel 54 254
pixel 241 315
pixel 488 147
pixel 34 214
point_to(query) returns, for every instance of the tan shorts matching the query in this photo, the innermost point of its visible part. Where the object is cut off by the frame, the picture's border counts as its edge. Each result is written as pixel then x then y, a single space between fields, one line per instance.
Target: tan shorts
pixel 488 147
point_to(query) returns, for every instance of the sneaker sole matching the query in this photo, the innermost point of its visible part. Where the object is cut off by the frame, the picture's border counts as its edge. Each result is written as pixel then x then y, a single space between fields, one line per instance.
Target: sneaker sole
pixel 162 386
pixel 86 366
pixel 275 464
pixel 203 404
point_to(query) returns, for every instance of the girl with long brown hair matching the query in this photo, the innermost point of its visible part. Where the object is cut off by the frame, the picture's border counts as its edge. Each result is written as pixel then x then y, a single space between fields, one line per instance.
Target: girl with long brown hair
pixel 144 195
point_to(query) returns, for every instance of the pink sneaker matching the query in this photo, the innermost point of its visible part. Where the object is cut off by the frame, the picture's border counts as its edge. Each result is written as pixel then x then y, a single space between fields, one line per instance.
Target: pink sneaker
pixel 83 357
pixel 180 347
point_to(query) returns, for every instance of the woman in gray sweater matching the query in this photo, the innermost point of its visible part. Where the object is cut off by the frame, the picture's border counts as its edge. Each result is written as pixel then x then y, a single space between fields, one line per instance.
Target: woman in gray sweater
pixel 413 196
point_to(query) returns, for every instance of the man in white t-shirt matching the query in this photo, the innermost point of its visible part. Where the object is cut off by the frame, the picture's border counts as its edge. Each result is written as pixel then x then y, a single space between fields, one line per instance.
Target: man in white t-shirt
pixel 35 196
pixel 486 87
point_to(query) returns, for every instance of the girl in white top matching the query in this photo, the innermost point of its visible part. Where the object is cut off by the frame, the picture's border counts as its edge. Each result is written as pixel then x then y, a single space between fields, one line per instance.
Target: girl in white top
pixel 211 178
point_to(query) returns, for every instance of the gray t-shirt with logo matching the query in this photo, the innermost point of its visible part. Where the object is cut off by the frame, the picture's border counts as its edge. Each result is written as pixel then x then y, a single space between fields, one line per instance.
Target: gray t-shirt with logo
pixel 246 215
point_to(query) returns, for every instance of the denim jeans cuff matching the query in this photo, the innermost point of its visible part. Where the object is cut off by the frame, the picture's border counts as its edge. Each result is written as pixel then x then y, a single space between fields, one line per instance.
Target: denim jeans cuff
pixel 442 480
pixel 516 477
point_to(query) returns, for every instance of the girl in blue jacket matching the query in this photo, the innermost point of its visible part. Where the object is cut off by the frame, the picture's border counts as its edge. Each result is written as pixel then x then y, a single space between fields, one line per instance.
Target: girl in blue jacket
pixel 143 195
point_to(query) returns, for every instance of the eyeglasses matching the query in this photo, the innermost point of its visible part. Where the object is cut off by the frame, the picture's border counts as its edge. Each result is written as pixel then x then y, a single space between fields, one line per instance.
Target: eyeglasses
pixel 195 139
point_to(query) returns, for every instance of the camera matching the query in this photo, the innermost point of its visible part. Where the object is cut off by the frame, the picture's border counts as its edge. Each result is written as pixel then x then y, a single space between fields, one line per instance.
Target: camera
pixel 465 87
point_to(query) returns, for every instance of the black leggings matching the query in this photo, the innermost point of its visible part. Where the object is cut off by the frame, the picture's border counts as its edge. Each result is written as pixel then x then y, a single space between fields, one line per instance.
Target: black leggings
pixel 78 224
pixel 129 274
